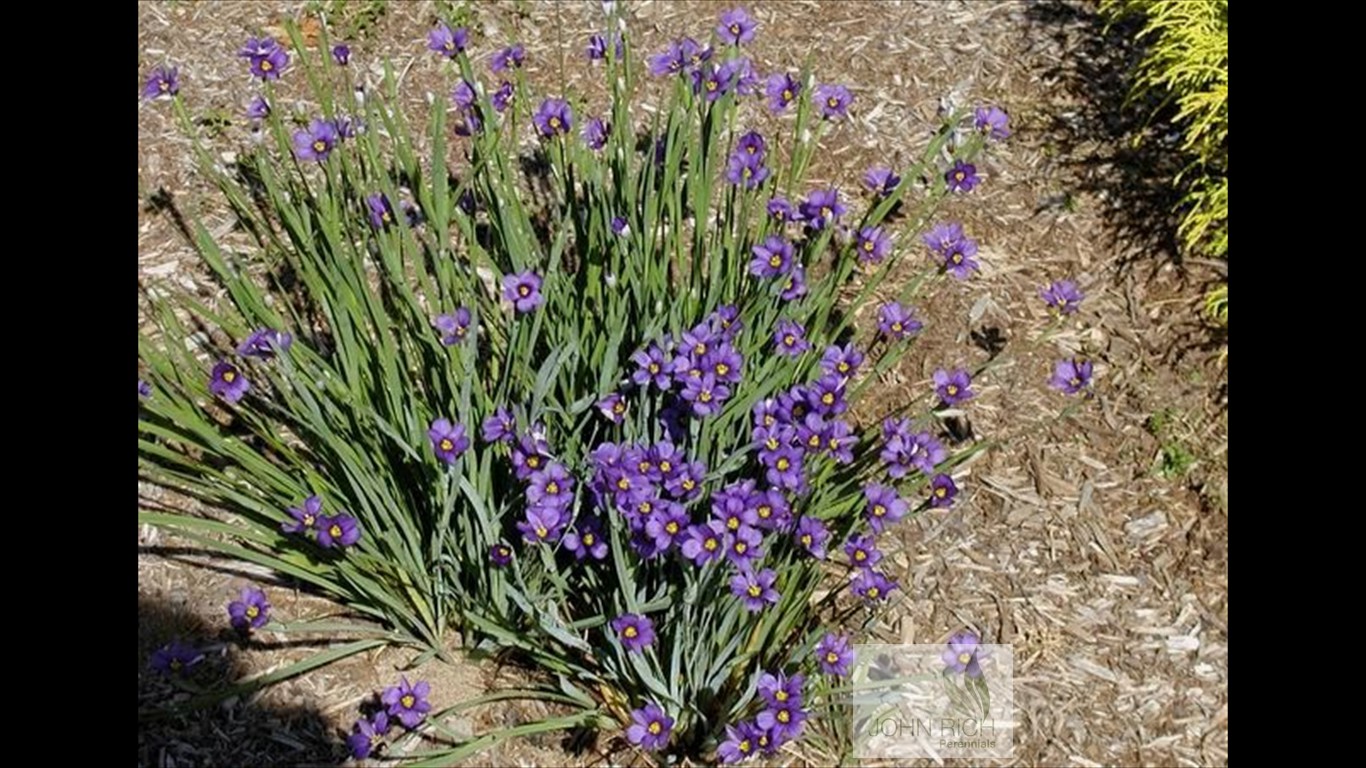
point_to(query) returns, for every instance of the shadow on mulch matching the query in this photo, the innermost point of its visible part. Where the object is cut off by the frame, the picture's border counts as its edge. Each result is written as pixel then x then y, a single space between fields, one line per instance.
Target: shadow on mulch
pixel 1131 180
pixel 241 731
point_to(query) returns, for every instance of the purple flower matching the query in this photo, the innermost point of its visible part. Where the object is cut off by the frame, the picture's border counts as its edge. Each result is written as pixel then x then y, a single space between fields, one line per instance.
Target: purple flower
pixel 782 90
pixel 554 117
pixel 348 127
pixel 597 46
pixel 650 727
pixel 258 109
pixel 1062 296
pixel 501 427
pixel 666 525
pixel 586 540
pixel 705 394
pixel 338 531
pixel 613 407
pixel 780 209
pixel 942 491
pixel 962 177
pixel 826 395
pixel 795 287
pixel 175 657
pixel 953 387
pixel 736 27
pixel 962 654
pixel 508 58
pixel 778 690
pixel 144 389
pixel 502 97
pixel 652 367
pixel 751 144
pixel 743 546
pixel 905 450
pixel 341 53
pixel 862 551
pixel 620 227
pixel 841 361
pixel 251 612
pixel 896 321
pixel 500 555
pixel 407 702
pixel 688 482
pixel 265 58
pixel 812 535
pixel 541 524
pixel 834 654
pixel 993 121
pixel 163 82
pixel 772 509
pixel 463 95
pixel 528 456
pixel 725 363
pixel 955 248
pixel 754 590
pixel 381 212
pixel 746 170
pixel 227 382
pixel 833 101
pixel 1071 376
pixel 448 440
pixel 740 744
pixel 882 180
pixel 317 142
pixel 872 585
pixel 551 487
pixel 368 735
pixel 635 632
pixel 595 133
pixel 446 41
pixel 453 327
pixel 693 53
pixel 772 257
pixel 670 61
pixel 822 208
pixel 704 543
pixel 264 343
pixel 942 236
pixel 790 338
pixel 884 506
pixel 872 245
pixel 304 519
pixel 523 290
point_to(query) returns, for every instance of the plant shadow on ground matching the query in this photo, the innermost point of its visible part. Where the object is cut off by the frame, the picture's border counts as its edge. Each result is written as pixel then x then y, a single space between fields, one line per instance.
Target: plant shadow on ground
pixel 244 731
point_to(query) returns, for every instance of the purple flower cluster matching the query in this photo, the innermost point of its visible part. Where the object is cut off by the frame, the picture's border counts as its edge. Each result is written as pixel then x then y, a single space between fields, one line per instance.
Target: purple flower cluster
pixel 905 450
pixel 330 531
pixel 648 485
pixel 702 364
pixel 746 165
pixel 956 249
pixel 780 721
pixel 265 57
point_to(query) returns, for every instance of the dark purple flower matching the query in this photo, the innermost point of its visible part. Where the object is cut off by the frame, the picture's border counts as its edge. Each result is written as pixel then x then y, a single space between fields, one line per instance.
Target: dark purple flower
pixel 1071 376
pixel 667 525
pixel 736 27
pixel 348 127
pixel 743 546
pixel 317 142
pixel 822 208
pixel 500 555
pixel 743 77
pixel 795 287
pixel 470 123
pixel 1063 296
pixel 778 690
pixel 508 58
pixel 554 117
pixel 251 612
pixel 826 395
pixel 834 654
pixel 613 407
pixel 884 506
pixel 635 632
pixel 265 58
pixel 368 735
pixel 338 531
pixel 502 97
pixel 304 519
pixel 523 290
pixel 541 524
pixel 812 535
pixel 746 170
pixel 780 209
pixel 942 491
pixel 751 144
pixel 705 394
pixel 740 744
pixel 175 657
pixel 586 540
pixel 992 121
pixel 942 236
pixel 650 727
pixel 448 440
pixel 963 653
pixel 551 487
pixel 772 257
pixel 652 367
pixel 896 321
pixel 862 551
pixel 962 177
pixel 955 248
pixel 597 46
pixel 882 180
pixel 620 227
pixel 782 90
pixel 341 53
pixel 226 381
pixel 446 41
pixel 755 590
pixel 872 585
pixel 264 343
pixel 407 702
pixel 833 101
pixel 144 389
pixel 463 95
pixel 725 363
pixel 381 212
pixel 163 82
pixel 453 327
pixel 783 722
pixel 688 482
pixel 258 109
pixel 872 245
pixel 842 361
pixel 501 427
pixel 905 450
pixel 772 509
pixel 595 133
pixel 790 338
pixel 953 387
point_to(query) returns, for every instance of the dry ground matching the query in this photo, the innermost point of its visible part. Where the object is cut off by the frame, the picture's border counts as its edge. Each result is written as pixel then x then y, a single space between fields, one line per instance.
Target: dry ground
pixel 1109 578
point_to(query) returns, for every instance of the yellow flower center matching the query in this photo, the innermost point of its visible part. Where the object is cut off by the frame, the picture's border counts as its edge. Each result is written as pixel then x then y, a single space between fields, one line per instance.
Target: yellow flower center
pixel 744 746
pixel 747 172
pixel 335 531
pixel 896 327
pixel 783 715
pixel 624 483
pixel 789 340
pixel 735 29
pixel 868 245
pixel 448 45
pixel 699 348
pixel 554 123
pixel 941 492
pixel 952 389
pixel 754 590
pixel 446 444
pixel 533 461
pixel 1076 382
pixel 957 258
pixel 764 511
pixel 769 420
pixel 552 487
pixel 266 66
pixel 629 633
pixel 958 176
pixel 319 146
pixel 654 367
pixel 309 520
pixel 787 94
pixel 872 591
pixel 828 398
pixel 709 545
pixel 722 369
pixel 688 484
pixel 655 728
pixel 775 261
pixel 704 396
pixel 407 701
pixel 619 406
pixel 523 290
pixel 771 443
pixel 833 102
pixel 541 532
pixel 643 466
pixel 671 527
pixel 815 441
pixel 588 539
pixel 666 466
pixel 780 695
pixel 832 658
pixel 164 86
pixel 843 367
pixel 879 510
pixel 806 540
pixel 253 611
pixel 783 464
pixel 741 547
pixel 964 658
pixel 733 523
pixel 711 85
pixel 228 376
pixel 825 212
